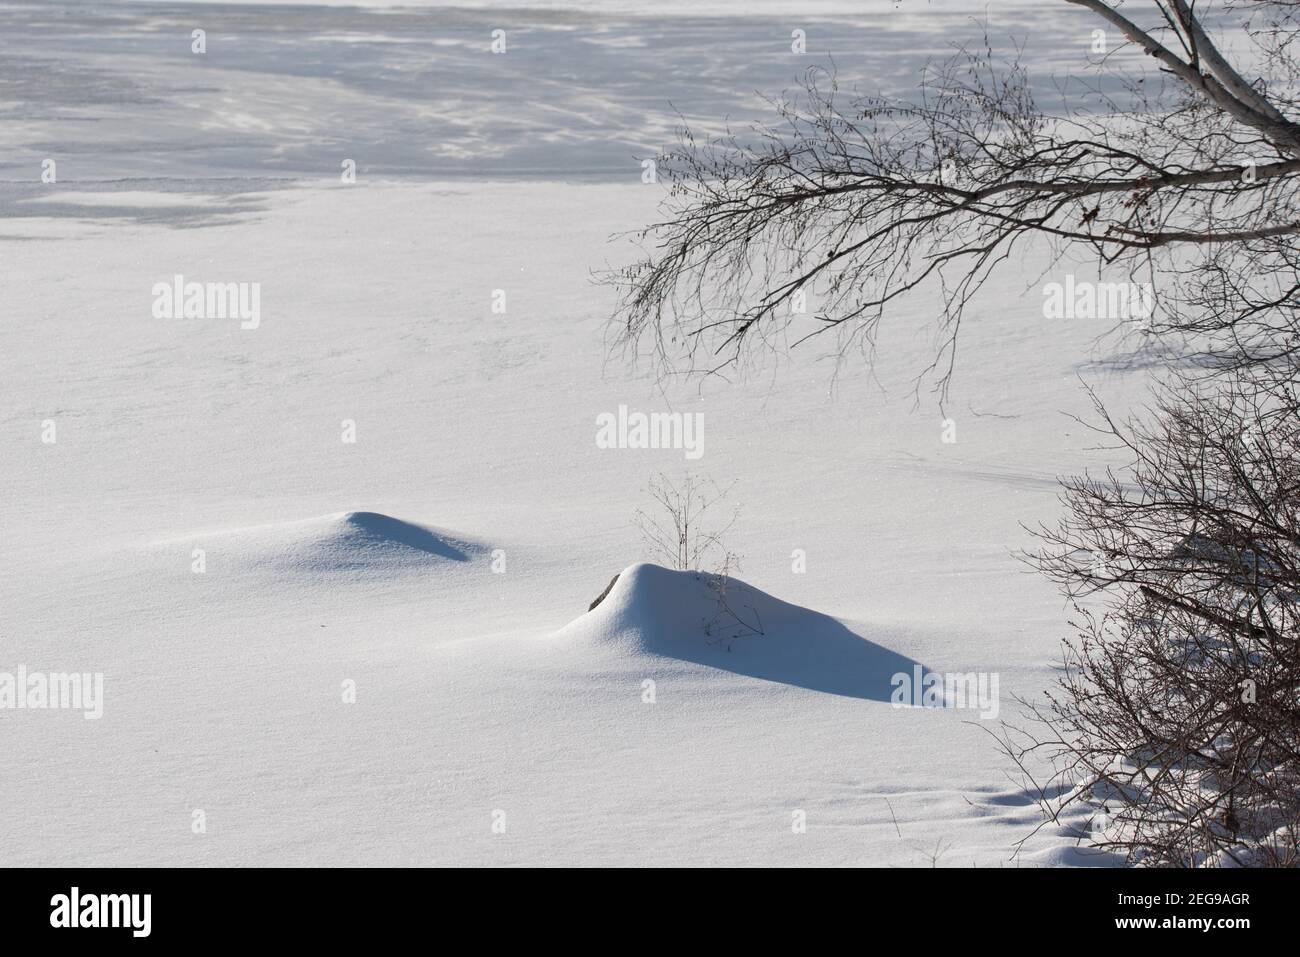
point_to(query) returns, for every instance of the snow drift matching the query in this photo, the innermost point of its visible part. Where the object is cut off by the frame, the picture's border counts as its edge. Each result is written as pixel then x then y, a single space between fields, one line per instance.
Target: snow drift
pixel 725 623
pixel 341 542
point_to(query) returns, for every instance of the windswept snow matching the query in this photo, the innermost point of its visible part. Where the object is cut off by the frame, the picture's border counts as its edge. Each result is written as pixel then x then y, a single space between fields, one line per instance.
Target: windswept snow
pixel 291 90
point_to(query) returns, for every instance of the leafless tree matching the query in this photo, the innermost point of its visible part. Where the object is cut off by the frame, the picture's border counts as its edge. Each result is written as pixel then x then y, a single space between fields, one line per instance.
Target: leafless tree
pixel 1176 719
pixel 1187 181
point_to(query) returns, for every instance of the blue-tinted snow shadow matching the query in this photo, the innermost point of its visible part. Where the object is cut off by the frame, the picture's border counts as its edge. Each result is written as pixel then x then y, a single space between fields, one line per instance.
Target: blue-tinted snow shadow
pixel 819 654
pixel 375 529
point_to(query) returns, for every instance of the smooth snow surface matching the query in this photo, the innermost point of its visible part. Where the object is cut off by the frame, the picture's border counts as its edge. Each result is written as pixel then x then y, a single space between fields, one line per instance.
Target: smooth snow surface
pixel 479 691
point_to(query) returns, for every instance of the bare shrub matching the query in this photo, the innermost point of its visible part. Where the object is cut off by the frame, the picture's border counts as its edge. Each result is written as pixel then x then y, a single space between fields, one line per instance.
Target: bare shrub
pixel 1177 715
pixel 681 529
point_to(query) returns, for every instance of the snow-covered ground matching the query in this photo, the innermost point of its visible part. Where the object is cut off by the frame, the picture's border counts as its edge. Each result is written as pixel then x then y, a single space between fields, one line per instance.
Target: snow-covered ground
pixel 441 564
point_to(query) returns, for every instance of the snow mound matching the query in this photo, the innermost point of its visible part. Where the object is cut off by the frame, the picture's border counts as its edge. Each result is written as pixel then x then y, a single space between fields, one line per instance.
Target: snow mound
pixel 341 542
pixel 728 624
